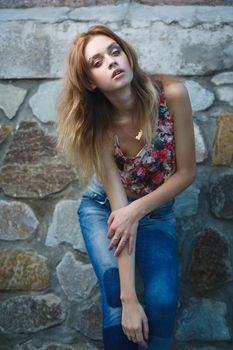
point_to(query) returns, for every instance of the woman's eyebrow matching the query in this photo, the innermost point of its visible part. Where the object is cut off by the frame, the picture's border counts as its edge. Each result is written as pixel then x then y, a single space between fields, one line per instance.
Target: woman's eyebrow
pixel 109 47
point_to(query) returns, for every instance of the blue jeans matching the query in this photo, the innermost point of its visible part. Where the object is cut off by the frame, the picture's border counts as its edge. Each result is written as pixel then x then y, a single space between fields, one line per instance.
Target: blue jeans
pixel 156 260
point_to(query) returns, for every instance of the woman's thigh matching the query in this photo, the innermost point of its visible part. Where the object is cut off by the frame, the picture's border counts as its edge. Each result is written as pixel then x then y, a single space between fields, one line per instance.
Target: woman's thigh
pixel 93 214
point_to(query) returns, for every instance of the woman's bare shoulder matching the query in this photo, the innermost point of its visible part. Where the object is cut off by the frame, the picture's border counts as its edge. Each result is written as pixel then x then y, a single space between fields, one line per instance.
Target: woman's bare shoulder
pixel 175 90
pixel 176 95
pixel 173 87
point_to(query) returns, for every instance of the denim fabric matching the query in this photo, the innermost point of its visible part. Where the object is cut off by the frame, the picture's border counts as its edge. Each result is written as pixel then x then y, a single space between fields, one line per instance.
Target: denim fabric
pixel 156 260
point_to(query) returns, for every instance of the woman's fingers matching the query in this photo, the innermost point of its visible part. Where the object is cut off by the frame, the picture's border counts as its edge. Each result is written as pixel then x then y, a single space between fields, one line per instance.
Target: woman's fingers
pixel 135 323
pixel 119 243
pixel 133 337
pixel 111 232
pixel 119 240
pixel 110 219
pixel 145 328
pixel 137 337
pixel 120 246
pixel 114 242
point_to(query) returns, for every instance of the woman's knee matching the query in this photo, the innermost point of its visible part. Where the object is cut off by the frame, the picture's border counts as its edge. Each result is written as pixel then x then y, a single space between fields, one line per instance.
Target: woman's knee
pixel 163 299
pixel 111 285
pixel 112 308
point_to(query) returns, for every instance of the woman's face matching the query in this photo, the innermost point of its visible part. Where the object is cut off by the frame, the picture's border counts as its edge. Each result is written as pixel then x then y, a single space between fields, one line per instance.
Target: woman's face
pixel 108 64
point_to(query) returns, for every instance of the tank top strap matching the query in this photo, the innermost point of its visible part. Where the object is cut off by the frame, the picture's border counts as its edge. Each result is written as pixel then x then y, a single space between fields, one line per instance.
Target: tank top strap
pixel 116 141
pixel 163 108
pixel 117 149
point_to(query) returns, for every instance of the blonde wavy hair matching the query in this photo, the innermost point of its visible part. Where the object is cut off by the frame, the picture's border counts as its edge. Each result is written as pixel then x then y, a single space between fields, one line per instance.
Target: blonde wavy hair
pixel 85 116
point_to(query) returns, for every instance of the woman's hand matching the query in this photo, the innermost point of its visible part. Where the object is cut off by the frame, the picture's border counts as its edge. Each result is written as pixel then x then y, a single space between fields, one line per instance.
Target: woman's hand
pixel 123 224
pixel 135 322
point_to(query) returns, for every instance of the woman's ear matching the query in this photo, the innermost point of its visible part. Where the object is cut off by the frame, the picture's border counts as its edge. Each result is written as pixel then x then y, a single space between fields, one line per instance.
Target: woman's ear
pixel 92 85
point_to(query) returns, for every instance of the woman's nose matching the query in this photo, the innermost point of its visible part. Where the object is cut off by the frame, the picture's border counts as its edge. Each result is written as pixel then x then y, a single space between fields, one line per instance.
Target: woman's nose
pixel 111 61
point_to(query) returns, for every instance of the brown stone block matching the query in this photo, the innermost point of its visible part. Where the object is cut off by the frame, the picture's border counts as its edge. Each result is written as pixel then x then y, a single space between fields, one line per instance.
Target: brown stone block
pixel 44 3
pixel 32 168
pixel 21 270
pixel 5 130
pixel 223 145
pixel 210 264
pixel 106 2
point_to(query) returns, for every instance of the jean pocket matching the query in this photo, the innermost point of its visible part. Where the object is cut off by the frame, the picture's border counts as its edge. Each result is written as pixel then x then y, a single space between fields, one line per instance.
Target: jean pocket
pixel 100 198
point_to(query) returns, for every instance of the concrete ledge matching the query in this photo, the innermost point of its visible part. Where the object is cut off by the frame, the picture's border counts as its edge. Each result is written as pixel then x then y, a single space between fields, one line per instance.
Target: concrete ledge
pixel 177 40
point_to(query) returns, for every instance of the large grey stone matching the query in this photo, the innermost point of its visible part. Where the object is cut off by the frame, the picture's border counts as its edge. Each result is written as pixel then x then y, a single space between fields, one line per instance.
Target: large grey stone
pixel 56 346
pixel 43 45
pixel 32 167
pixel 201 151
pixel 182 56
pixel 186 16
pixel 59 346
pixel 186 203
pixel 11 97
pixel 223 78
pixel 20 270
pixel 41 14
pixel 200 97
pixel 203 320
pixel 221 197
pixel 76 278
pixel 27 314
pixel 205 348
pixel 225 94
pixel 111 13
pixel 210 264
pixel 87 319
pixel 26 346
pixel 17 221
pixel 65 226
pixel 43 102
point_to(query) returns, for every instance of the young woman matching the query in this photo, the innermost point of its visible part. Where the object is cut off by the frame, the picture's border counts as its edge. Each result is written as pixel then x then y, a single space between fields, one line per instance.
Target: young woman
pixel 132 137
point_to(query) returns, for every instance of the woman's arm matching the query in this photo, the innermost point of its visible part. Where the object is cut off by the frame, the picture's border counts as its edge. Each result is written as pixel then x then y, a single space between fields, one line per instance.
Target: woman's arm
pixel 134 320
pixel 180 107
pixel 118 199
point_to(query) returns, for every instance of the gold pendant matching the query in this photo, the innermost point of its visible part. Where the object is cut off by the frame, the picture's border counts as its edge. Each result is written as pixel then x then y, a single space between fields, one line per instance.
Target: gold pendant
pixel 139 135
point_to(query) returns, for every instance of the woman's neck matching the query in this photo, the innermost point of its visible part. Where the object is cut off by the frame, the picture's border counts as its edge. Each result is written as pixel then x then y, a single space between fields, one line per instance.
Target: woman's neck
pixel 123 101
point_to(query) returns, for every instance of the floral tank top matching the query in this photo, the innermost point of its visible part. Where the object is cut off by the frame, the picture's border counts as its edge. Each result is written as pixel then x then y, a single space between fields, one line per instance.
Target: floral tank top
pixel 155 162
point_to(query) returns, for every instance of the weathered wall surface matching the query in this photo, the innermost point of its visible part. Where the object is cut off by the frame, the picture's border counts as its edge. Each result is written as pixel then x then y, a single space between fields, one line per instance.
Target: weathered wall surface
pixel 48 290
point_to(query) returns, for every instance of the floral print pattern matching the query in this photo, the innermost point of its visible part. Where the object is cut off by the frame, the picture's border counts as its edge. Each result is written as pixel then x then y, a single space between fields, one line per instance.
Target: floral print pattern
pixel 155 162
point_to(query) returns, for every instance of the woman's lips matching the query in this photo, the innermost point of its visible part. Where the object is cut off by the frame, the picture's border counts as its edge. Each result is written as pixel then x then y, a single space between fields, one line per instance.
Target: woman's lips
pixel 116 73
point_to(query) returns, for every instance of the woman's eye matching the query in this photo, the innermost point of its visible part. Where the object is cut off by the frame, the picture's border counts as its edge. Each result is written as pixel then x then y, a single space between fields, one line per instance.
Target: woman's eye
pixel 97 63
pixel 116 52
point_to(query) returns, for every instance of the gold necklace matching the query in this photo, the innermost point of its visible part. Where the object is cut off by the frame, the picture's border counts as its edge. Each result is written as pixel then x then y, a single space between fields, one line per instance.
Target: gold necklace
pixel 139 135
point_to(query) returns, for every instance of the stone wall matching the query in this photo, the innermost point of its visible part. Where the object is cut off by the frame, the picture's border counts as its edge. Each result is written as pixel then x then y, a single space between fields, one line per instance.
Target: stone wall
pixel 81 3
pixel 48 291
